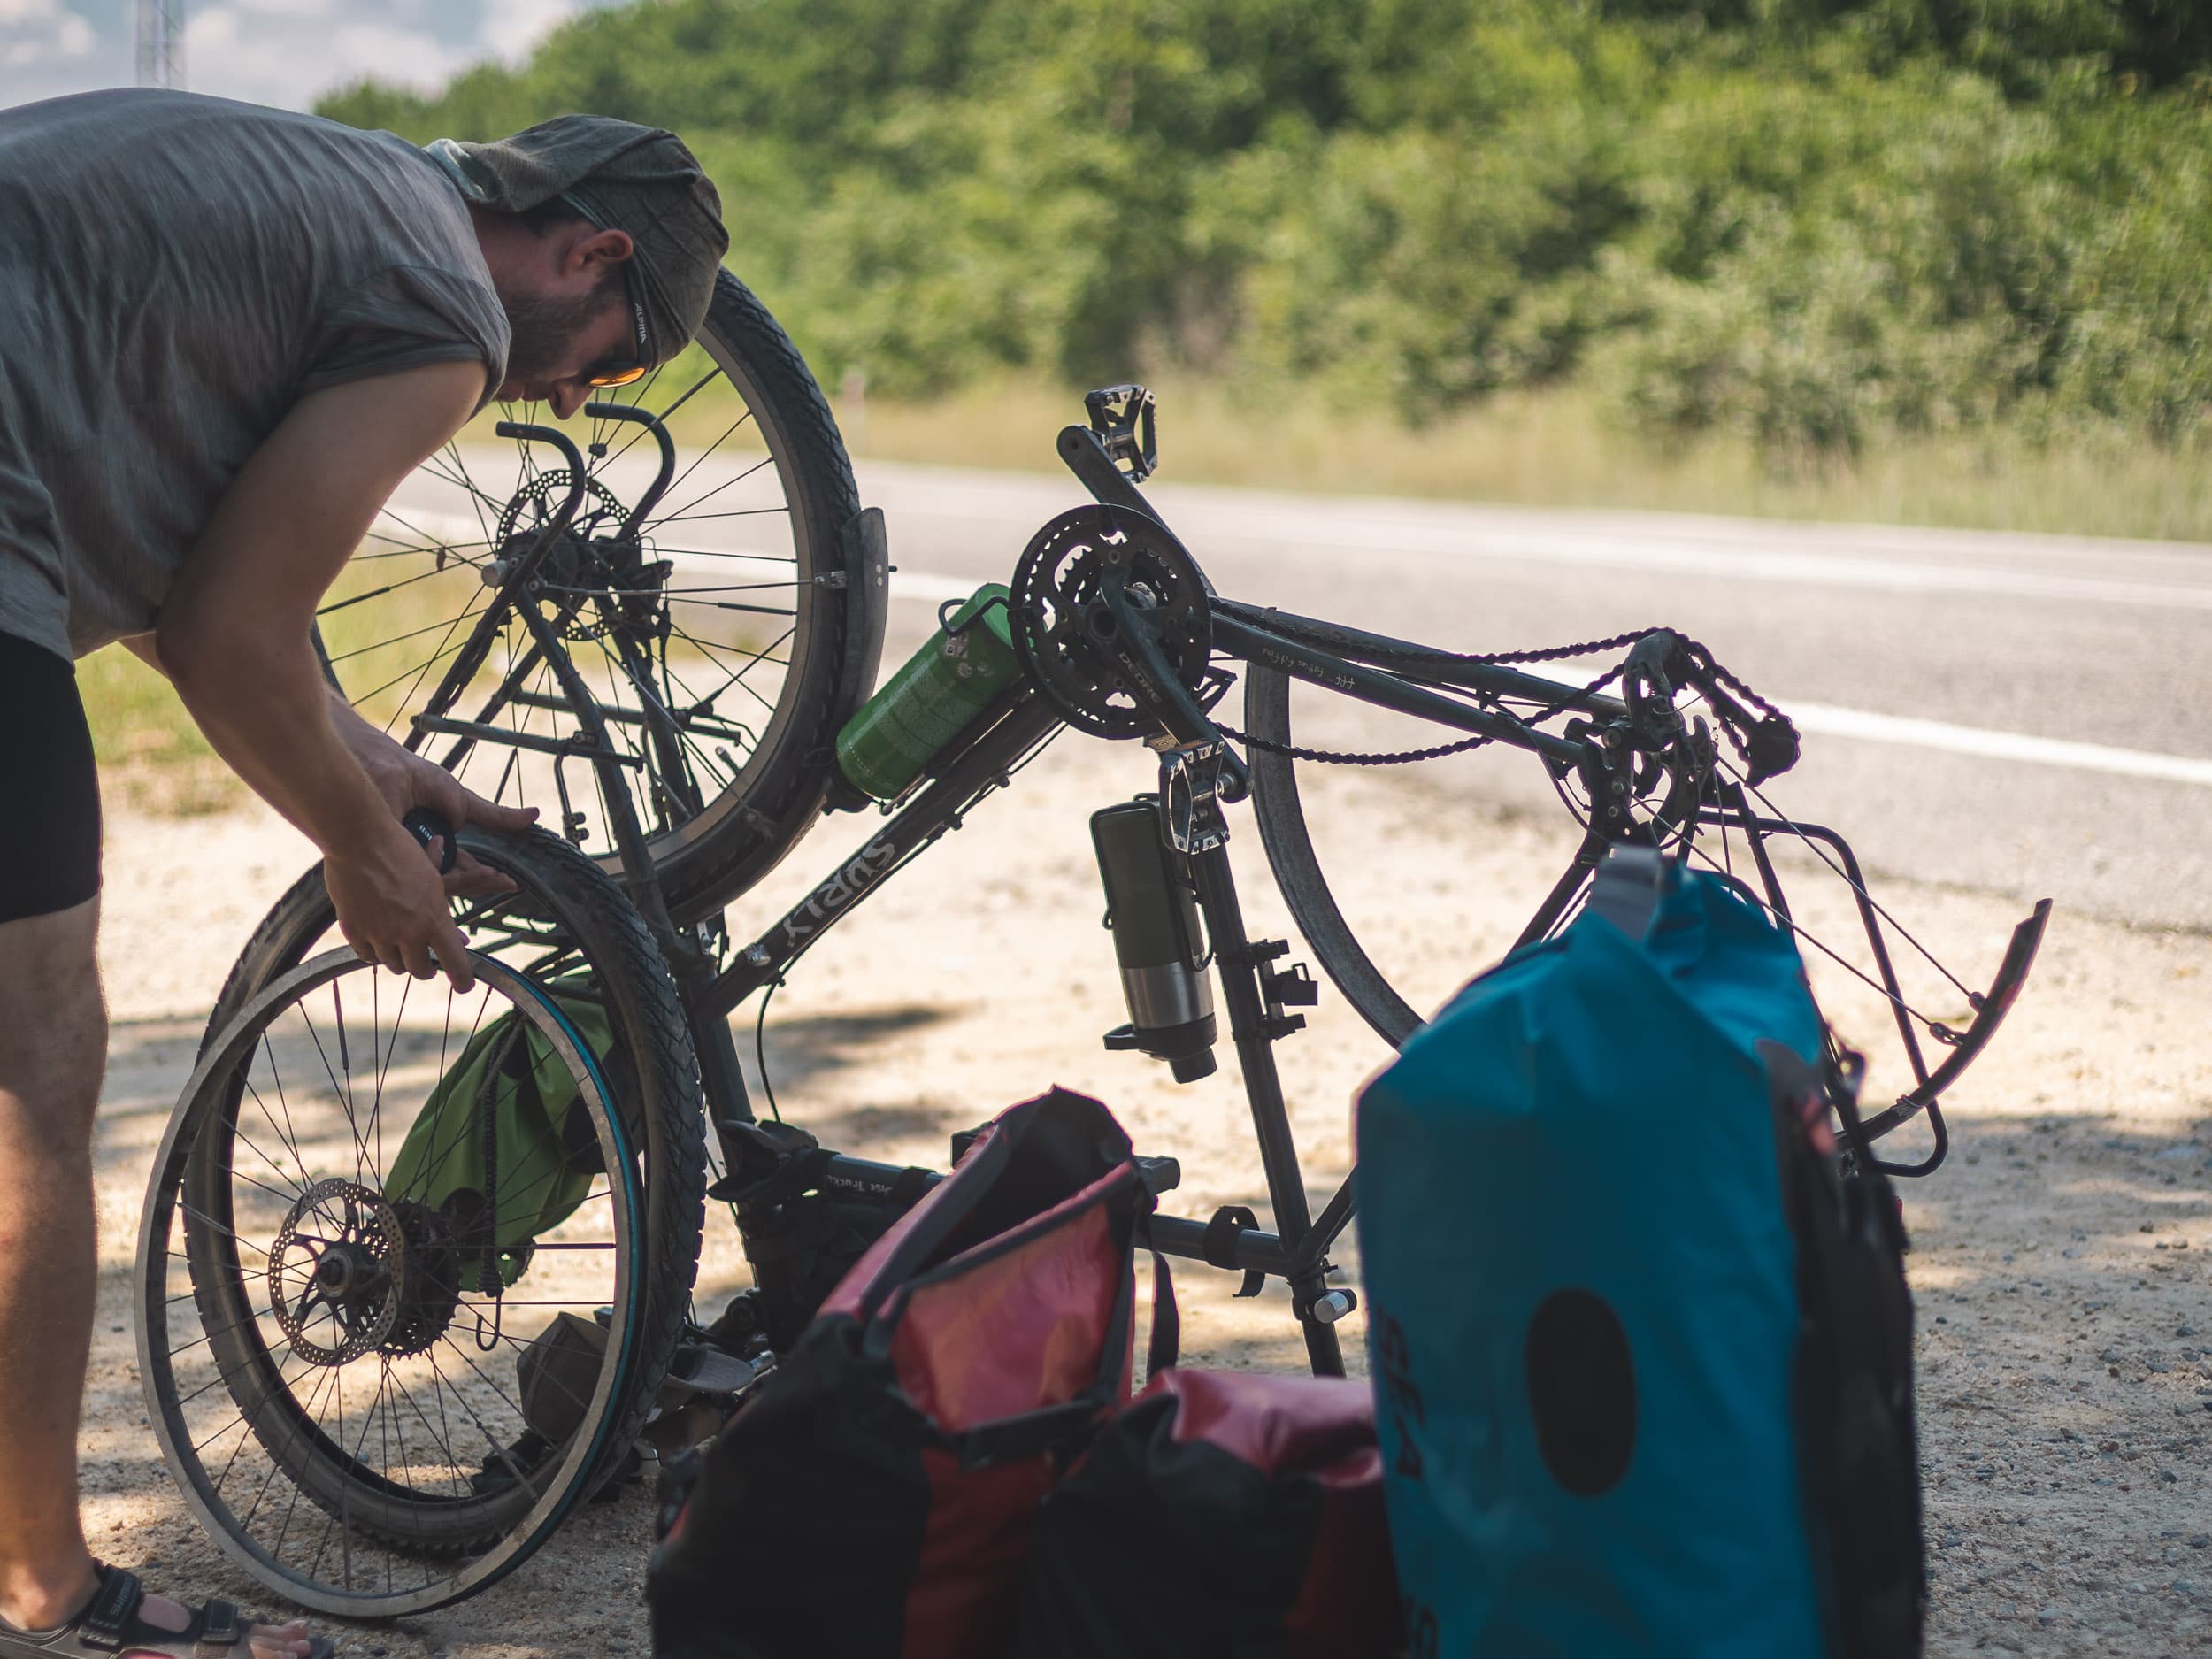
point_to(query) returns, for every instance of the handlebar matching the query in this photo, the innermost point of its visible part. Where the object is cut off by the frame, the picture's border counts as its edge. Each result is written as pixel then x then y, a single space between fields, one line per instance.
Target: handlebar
pixel 641 511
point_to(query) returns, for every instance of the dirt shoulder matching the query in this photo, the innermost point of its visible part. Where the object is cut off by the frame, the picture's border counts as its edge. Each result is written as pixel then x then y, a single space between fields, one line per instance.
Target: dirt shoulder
pixel 2066 1342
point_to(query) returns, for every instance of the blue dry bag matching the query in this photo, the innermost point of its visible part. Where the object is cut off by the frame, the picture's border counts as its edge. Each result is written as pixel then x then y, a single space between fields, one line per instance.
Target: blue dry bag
pixel 1583 1294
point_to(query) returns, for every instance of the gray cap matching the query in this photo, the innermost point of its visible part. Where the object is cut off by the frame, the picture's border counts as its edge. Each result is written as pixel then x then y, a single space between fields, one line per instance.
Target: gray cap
pixel 623 177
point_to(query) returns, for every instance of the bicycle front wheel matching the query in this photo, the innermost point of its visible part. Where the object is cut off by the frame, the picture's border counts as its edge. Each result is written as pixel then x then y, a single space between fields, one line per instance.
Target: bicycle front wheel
pixel 709 603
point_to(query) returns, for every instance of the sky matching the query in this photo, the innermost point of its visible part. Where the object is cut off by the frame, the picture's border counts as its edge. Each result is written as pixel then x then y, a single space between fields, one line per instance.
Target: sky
pixel 286 52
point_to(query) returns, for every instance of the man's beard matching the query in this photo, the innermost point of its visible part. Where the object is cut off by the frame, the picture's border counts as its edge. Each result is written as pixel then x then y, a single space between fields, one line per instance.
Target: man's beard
pixel 542 331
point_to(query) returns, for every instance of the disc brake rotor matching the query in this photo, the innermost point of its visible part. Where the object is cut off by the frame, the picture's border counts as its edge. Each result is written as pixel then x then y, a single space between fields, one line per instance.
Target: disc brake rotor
pixel 338 1273
pixel 600 512
pixel 589 554
pixel 1060 616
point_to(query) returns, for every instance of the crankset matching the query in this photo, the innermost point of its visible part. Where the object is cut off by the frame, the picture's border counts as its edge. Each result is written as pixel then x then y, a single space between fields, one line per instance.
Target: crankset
pixel 1104 598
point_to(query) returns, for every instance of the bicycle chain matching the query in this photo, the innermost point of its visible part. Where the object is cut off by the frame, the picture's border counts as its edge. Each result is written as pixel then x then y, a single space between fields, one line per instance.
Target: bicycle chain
pixel 1702 661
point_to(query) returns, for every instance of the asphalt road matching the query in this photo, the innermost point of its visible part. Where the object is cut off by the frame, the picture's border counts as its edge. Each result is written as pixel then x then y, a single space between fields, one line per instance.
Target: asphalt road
pixel 1948 648
pixel 2028 714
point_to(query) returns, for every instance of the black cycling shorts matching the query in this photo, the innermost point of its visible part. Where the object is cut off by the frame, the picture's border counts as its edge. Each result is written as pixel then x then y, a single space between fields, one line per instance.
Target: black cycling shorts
pixel 50 825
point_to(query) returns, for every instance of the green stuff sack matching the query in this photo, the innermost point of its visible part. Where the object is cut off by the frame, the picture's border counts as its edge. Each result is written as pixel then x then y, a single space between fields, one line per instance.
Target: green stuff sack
pixel 548 1152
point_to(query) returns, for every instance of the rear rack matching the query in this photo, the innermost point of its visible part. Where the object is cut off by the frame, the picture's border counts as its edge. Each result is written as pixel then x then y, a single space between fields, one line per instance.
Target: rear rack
pixel 1965 1045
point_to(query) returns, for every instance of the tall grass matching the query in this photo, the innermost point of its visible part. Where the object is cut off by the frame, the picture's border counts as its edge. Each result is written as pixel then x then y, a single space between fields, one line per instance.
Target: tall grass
pixel 1558 447
pixel 151 757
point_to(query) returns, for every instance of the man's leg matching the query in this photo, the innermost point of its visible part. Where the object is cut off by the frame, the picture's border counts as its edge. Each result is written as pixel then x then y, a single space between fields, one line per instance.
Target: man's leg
pixel 53 1051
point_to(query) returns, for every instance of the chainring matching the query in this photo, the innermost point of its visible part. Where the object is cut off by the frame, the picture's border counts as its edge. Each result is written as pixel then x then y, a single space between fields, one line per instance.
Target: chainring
pixel 1060 616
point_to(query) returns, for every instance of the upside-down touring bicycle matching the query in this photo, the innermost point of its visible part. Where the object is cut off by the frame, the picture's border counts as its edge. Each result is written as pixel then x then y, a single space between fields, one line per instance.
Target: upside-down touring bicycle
pixel 341 1370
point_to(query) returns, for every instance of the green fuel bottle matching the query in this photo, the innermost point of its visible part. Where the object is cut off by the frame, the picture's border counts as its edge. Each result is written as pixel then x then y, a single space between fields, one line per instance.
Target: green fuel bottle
pixel 941 689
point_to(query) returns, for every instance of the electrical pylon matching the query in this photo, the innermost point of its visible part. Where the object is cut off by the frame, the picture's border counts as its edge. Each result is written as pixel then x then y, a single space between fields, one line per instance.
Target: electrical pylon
pixel 161 43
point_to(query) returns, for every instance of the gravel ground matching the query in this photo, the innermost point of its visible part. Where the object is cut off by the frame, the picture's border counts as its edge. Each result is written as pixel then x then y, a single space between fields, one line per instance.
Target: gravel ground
pixel 2066 1345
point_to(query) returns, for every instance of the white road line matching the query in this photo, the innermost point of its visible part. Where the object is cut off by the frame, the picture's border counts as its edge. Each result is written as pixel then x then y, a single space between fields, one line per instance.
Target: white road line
pixel 1942 735
pixel 1803 568
pixel 1429 531
pixel 1823 718
pixel 927 585
pixel 1969 739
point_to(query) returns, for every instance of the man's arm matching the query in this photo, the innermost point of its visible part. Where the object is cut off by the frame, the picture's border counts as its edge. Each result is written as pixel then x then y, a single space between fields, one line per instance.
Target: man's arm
pixel 233 640
pixel 406 780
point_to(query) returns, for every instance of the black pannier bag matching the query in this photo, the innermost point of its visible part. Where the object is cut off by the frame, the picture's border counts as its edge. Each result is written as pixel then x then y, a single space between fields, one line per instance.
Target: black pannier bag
pixel 1858 1441
pixel 1225 1515
pixel 873 1499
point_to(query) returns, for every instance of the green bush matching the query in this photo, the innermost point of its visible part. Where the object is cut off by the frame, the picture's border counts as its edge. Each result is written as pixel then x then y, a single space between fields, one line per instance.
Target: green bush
pixel 1816 223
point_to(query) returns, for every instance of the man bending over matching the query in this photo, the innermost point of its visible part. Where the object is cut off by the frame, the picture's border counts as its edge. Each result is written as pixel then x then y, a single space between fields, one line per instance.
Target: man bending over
pixel 226 335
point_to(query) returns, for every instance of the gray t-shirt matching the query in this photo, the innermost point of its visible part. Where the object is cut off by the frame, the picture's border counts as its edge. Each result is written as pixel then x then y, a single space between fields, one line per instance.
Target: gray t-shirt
pixel 176 273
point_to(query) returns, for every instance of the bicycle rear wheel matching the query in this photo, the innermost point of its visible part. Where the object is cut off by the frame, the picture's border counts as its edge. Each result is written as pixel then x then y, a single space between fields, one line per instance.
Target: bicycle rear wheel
pixel 341 1394
pixel 726 610
pixel 1920 1023
pixel 1315 818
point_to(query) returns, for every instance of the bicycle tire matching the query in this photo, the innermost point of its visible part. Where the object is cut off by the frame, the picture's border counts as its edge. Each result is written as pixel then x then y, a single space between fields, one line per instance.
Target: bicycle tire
pixel 709 836
pixel 658 1087
pixel 1281 818
pixel 1733 834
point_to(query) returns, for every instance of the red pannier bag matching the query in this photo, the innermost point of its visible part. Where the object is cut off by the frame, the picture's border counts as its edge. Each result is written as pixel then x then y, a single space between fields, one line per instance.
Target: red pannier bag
pixel 874 1497
pixel 1225 1513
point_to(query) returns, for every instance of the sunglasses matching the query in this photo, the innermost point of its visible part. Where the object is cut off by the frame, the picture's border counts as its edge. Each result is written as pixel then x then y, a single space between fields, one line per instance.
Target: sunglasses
pixel 610 374
pixel 620 371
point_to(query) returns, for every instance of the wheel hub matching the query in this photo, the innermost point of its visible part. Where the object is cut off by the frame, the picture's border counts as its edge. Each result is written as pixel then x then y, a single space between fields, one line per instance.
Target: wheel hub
pixel 338 1273
pixel 349 1272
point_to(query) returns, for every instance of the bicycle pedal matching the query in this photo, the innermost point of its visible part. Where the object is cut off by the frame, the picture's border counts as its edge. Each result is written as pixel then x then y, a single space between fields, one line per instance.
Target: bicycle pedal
pixel 1290 987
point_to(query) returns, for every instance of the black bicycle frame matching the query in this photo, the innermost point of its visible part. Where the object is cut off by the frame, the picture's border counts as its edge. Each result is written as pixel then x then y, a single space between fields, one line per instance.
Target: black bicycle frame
pixel 1199 777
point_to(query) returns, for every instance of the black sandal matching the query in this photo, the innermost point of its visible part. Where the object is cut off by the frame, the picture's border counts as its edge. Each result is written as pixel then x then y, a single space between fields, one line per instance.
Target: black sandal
pixel 108 1627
